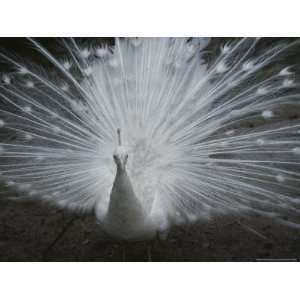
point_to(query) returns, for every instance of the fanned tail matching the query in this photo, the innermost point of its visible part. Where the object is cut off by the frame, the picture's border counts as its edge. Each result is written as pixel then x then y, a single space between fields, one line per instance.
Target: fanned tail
pixel 204 138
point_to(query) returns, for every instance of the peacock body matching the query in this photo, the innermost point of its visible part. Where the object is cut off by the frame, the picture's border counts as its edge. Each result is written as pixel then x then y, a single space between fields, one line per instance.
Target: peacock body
pixel 147 133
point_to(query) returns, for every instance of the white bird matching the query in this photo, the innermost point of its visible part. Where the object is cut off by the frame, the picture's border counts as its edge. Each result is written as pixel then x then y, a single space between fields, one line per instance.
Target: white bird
pixel 126 217
pixel 183 151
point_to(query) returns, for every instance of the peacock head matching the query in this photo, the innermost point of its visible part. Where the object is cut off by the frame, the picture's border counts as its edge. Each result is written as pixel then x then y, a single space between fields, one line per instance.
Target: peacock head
pixel 120 155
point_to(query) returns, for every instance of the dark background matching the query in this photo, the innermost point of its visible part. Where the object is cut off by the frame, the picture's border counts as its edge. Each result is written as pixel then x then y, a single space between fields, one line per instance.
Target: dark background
pixel 34 232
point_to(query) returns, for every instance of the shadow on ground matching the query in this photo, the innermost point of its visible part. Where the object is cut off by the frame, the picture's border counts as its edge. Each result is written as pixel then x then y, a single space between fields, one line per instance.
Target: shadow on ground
pixel 28 230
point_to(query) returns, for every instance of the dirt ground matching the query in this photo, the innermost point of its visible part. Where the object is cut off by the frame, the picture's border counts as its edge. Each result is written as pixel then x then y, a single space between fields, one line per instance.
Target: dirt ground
pixel 28 232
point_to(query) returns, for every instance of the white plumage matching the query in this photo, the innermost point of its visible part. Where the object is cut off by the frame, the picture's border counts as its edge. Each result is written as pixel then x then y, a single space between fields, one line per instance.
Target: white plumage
pixel 185 155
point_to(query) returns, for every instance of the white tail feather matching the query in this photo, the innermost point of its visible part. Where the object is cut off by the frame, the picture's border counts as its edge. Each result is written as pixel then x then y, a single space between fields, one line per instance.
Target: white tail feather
pixel 183 122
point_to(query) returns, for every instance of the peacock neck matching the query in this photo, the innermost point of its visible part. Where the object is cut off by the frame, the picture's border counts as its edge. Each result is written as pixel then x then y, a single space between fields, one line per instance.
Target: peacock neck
pixel 122 195
pixel 126 217
pixel 122 179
